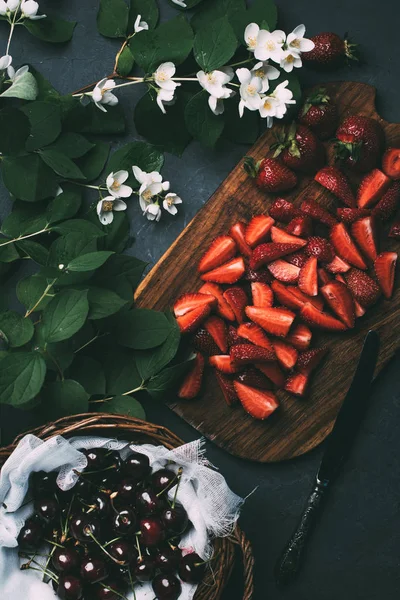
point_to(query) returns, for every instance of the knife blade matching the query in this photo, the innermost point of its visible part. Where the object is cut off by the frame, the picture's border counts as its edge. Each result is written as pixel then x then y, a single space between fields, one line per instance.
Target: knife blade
pixel 338 446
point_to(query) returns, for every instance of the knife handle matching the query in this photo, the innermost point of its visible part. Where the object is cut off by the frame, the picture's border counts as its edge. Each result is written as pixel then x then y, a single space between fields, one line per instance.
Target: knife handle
pixel 289 563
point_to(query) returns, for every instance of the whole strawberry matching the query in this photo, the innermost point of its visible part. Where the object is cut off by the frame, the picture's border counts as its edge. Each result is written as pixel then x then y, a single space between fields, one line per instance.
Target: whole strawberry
pixel 330 50
pixel 300 149
pixel 270 175
pixel 320 114
pixel 360 142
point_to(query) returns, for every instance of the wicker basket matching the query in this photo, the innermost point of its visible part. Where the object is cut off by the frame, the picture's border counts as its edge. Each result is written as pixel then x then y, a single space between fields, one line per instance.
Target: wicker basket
pixel 142 432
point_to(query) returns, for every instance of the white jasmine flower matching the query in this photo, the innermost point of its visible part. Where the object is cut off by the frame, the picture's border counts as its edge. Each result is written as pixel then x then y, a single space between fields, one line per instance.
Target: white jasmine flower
pixel 297 42
pixel 170 201
pixel 251 35
pixel 250 88
pixel 106 206
pixel 269 45
pixel 114 183
pixel 268 107
pixel 29 10
pixel 102 94
pixel 164 97
pixel 59 191
pixel 150 190
pixel 180 3
pixel 266 73
pixel 163 76
pixel 215 84
pixel 283 95
pixel 153 212
pixel 216 105
pixel 140 25
pixel 3 8
pixel 5 62
pixel 8 6
pixel 146 178
pixel 290 60
pixel 16 74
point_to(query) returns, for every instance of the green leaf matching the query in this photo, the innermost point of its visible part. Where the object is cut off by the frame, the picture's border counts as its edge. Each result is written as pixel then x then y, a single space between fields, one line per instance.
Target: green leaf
pixel 150 362
pixel 16 330
pixel 171 41
pixel 140 154
pixel 68 247
pixel 241 130
pixel 93 163
pixel 61 164
pixel 214 45
pixel 8 253
pixel 166 380
pixel 50 29
pixel 103 303
pixel 262 12
pixel 125 62
pixel 65 205
pixel 64 315
pixel 148 10
pixel 201 121
pixel 189 4
pixel 63 398
pixel 88 372
pixel 211 10
pixel 15 128
pixel 31 289
pixel 140 329
pixel 81 226
pixel 72 144
pixel 24 87
pixel 89 262
pixel 112 18
pixel 59 356
pixel 117 236
pixel 121 272
pixel 33 250
pixel 21 377
pixel 101 123
pixel 45 120
pixel 124 405
pixel 23 220
pixel 28 178
pixel 46 91
pixel 120 371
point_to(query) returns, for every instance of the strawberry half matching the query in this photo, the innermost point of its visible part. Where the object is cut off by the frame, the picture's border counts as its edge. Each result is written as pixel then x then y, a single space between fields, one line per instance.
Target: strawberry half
pixel 372 188
pixel 345 247
pixel 267 253
pixel 297 384
pixel 349 215
pixel 363 287
pixel 222 249
pixel 337 265
pixel 217 329
pixel 244 354
pixel 191 385
pixel 254 378
pixel 258 229
pixel 336 182
pixel 283 210
pixel 314 300
pixel 391 163
pixel 229 272
pixel 364 233
pixel 297 258
pixel 320 319
pixel 223 308
pixel 395 230
pixel 291 297
pixel 323 276
pixel 310 360
pixel 273 372
pixel 237 299
pixel 314 210
pixel 262 294
pixel 276 321
pixel 300 337
pixel 188 302
pixel 300 226
pixel 227 388
pixel 193 319
pixel 387 205
pixel 223 363
pixel 237 233
pixel 255 334
pixel 284 271
pixel 385 266
pixel 280 236
pixel 340 301
pixel 308 277
pixel 259 404
pixel 285 353
pixel 203 342
pixel 358 309
pixel 320 248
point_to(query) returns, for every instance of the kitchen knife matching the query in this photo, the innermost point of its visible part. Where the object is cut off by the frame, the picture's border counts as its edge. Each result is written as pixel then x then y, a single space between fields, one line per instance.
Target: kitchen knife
pixel 338 446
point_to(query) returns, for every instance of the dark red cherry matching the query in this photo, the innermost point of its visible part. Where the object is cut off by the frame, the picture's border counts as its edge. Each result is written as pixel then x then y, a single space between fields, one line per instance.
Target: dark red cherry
pixel 127 491
pixel 145 569
pixel 108 480
pixel 175 519
pixel 122 551
pixel 148 503
pixel 84 488
pixel 167 559
pixel 124 521
pixel 152 531
pixel 162 480
pixel 96 458
pixel 113 459
pixel 93 569
pixel 192 568
pixel 84 527
pixel 166 587
pixel 43 483
pixel 137 466
pixel 69 587
pixel 31 535
pixel 101 503
pixel 65 560
pixel 47 509
pixel 106 590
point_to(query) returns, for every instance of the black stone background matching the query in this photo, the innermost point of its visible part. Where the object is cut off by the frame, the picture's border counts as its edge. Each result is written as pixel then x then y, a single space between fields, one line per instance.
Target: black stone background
pixel 355 553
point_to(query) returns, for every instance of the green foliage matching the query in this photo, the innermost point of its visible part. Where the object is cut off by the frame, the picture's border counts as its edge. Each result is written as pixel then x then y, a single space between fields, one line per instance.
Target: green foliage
pixel 72 399
pixel 201 121
pixel 143 155
pixel 214 44
pixel 124 405
pixel 262 12
pixel 64 315
pixel 21 377
pixel 14 329
pixel 24 88
pixel 112 18
pixel 148 10
pixel 51 30
pixel 15 129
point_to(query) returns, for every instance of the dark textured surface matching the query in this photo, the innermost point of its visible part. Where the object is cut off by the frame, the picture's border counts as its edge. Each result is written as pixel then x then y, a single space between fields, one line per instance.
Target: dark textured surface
pixel 355 550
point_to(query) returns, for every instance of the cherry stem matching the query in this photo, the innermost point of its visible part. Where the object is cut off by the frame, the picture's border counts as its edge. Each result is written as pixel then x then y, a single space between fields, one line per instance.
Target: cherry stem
pixel 132 584
pixel 138 547
pixel 65 528
pixel 169 486
pixel 180 471
pixel 112 541
pixel 112 590
pixel 118 562
pixel 46 566
pixel 53 544
pixel 45 571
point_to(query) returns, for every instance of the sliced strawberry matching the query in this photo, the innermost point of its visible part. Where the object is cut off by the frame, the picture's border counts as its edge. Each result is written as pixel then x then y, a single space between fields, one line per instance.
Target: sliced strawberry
pixel 391 163
pixel 217 329
pixel 262 275
pixel 311 359
pixel 297 258
pixel 267 253
pixel 336 182
pixel 316 301
pixel 340 300
pixel 258 229
pixel 320 319
pixel 244 354
pixel 222 249
pixel 285 353
pixel 364 233
pixel 237 299
pixel 300 337
pixel 223 363
pixel 323 276
pixel 233 337
pixel 203 342
pixel 283 210
pixel 237 233
pixel 349 215
pixel 255 334
pixel 320 248
pixel 193 319
pixel 259 404
pixel 285 297
pixel 318 213
pixel 188 302
pixel 223 308
pixel 227 388
pixel 345 246
pixel 387 205
pixel 337 265
pixel 262 294
pixel 372 187
pixel 229 272
pixel 254 378
pixel 385 266
pixel 191 385
pixel 308 277
pixel 395 230
pixel 273 372
pixel 297 384
pixel 276 321
pixel 279 236
pixel 358 309
pixel 364 289
pixel 300 226
pixel 284 271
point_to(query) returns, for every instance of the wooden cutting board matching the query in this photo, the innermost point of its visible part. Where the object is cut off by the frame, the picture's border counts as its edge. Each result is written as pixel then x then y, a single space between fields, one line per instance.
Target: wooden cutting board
pixel 298 425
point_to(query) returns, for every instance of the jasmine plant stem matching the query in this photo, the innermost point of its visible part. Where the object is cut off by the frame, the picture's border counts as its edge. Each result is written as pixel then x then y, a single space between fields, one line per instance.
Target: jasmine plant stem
pixel 24 237
pixel 34 307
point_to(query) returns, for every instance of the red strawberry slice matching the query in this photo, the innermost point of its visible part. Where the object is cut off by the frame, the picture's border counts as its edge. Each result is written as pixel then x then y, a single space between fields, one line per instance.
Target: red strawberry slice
pixel 223 363
pixel 259 404
pixel 391 163
pixel 229 272
pixel 297 258
pixel 318 213
pixel 237 233
pixel 337 265
pixel 223 308
pixel 297 384
pixel 358 309
pixel 188 302
pixel 262 276
pixel 256 335
pixel 387 205
pixel 262 294
pixel 233 337
pixel 395 230
pixel 222 249
pixel 237 299
pixel 273 372
pixel 385 266
pixel 227 388
pixel 285 296
pixel 340 300
pixel 336 182
pixel 349 215
pixel 323 276
pixel 267 253
pixel 203 342
pixel 345 246
pixel 218 331
pixel 320 319
pixel 320 248
pixel 300 226
pixel 372 187
pixel 279 236
pixel 244 354
pixel 191 385
pixel 364 289
pixel 284 211
pixel 308 277
pixel 286 354
pixel 316 301
pixel 254 378
pixel 193 319
pixel 310 360
pixel 300 337
pixel 364 233
pixel 276 321
pixel 258 229
pixel 284 271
